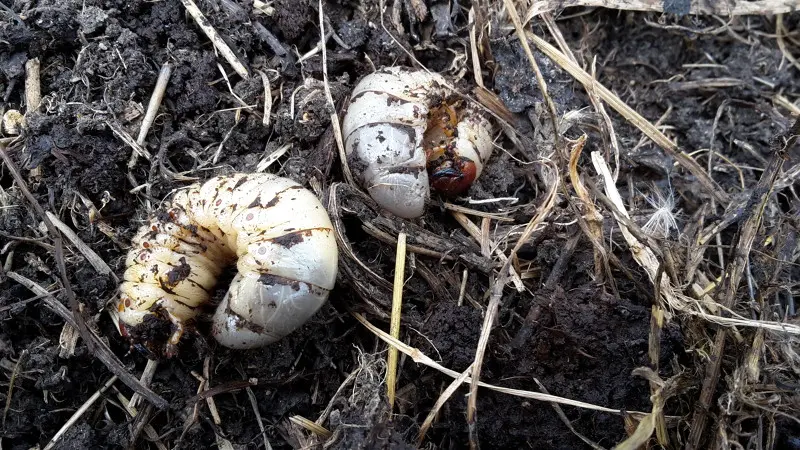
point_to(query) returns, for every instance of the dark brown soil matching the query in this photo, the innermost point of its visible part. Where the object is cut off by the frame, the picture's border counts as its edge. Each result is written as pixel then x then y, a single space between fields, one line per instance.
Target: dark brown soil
pixel 580 338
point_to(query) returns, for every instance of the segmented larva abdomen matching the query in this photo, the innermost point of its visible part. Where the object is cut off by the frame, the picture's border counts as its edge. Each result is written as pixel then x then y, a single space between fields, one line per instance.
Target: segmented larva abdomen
pixel 385 132
pixel 277 232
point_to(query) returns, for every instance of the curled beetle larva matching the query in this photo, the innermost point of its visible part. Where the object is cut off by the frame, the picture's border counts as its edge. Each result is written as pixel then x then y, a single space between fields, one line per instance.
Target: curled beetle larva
pixel 278 234
pixel 404 134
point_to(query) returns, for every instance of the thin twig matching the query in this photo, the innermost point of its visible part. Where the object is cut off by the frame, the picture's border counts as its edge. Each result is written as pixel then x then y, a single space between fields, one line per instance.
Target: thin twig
pixel 152 110
pixel 215 38
pixel 475 232
pixel 96 346
pixel 567 422
pixel 128 139
pixel 337 128
pixel 148 429
pixel 741 8
pixel 324 415
pixel 420 358
pixel 494 304
pixel 49 299
pixel 733 273
pixel 311 426
pixel 33 89
pixel 80 412
pixel 445 395
pixel 632 116
pixel 254 404
pixel 551 106
pixel 94 259
pixel 12 381
pixel 147 377
pixel 267 98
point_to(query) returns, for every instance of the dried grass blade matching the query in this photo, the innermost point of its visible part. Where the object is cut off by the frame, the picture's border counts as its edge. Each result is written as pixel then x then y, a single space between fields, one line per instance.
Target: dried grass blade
pixel 94 259
pixel 397 312
pixel 80 412
pixel 445 395
pixel 592 218
pixel 632 116
pixel 215 38
pixel 754 212
pixel 420 358
pixel 311 426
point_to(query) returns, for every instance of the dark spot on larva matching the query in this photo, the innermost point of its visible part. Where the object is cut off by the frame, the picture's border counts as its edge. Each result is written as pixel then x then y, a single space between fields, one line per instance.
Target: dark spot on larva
pixel 179 272
pixel 288 229
pixel 289 240
pixel 272 202
pixel 405 169
pixel 154 269
pixel 146 244
pixel 242 323
pixel 292 238
pixel 249 216
pixel 241 181
pixel 256 202
pixel 275 280
pixel 272 305
pixel 192 229
pixel 127 302
pixel 218 202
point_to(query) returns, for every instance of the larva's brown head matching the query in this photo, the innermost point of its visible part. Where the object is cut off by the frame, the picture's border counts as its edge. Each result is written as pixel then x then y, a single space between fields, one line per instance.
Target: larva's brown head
pixel 153 336
pixel 452 176
pixel 450 172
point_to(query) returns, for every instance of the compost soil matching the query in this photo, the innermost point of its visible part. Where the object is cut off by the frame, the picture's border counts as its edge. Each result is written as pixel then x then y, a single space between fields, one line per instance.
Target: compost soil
pixel 99 65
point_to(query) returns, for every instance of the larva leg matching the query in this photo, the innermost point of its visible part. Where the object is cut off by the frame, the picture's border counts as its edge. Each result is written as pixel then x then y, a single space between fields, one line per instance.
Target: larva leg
pixel 175 338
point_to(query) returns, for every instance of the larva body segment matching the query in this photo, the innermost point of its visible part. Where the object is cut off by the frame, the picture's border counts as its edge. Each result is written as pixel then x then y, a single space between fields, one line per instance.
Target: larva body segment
pixel 402 136
pixel 278 234
pixel 383 131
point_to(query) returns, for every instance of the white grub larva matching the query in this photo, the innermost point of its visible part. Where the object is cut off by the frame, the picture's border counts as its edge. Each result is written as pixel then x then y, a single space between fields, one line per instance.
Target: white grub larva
pixel 13 123
pixel 278 234
pixel 404 134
